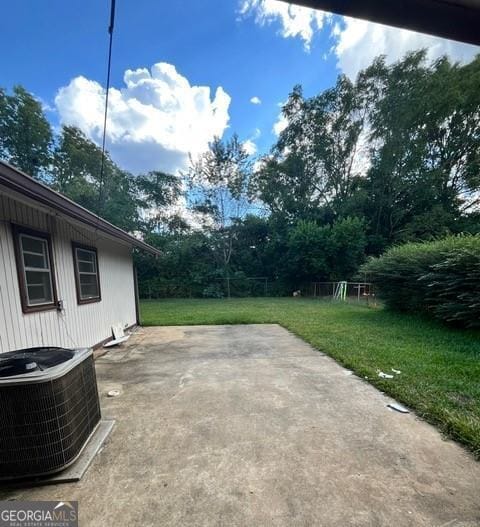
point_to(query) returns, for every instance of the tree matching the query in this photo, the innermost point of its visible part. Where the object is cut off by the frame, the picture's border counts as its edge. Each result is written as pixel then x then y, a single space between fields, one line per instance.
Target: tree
pixel 287 188
pixel 173 272
pixel 452 137
pixel 76 173
pixel 319 156
pixel 426 161
pixel 323 252
pixel 393 156
pixel 252 235
pixel 219 183
pixel 160 193
pixel 347 248
pixel 25 133
pixel 308 253
pixel 76 164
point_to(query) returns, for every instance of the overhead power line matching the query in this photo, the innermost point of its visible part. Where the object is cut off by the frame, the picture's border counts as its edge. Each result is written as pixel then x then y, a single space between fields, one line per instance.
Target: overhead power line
pixel 102 165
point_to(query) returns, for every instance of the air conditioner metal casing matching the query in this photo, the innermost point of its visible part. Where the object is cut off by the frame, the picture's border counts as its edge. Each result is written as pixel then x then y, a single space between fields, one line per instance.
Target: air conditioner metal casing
pixel 47 417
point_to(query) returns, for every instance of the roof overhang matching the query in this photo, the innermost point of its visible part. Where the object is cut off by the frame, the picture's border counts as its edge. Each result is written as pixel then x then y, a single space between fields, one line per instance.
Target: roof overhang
pixel 453 19
pixel 17 181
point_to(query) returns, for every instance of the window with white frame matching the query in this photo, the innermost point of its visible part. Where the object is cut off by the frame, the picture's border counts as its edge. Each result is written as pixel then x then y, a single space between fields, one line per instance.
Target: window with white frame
pixel 86 274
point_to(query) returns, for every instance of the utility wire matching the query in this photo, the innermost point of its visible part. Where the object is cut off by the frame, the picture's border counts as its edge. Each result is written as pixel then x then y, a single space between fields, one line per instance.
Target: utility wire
pixel 102 165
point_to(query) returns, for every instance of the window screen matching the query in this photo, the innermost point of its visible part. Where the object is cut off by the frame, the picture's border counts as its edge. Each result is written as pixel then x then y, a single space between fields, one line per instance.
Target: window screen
pixel 35 269
pixel 38 273
pixel 86 269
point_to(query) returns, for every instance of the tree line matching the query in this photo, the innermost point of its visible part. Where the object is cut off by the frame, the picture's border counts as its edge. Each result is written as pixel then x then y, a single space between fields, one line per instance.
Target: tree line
pixel 70 163
pixel 391 157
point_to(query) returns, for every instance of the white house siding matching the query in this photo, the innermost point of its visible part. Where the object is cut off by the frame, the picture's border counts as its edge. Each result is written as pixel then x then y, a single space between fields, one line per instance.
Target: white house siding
pixel 77 325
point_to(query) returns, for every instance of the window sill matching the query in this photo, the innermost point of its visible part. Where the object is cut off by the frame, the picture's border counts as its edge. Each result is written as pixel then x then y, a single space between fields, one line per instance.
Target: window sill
pixel 38 309
pixel 89 301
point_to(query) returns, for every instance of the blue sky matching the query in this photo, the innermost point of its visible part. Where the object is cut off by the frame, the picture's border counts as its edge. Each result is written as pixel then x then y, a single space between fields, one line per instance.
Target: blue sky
pixel 249 48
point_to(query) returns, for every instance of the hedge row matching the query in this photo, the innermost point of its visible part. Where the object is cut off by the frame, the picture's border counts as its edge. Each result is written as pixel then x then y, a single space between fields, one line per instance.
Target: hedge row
pixel 440 278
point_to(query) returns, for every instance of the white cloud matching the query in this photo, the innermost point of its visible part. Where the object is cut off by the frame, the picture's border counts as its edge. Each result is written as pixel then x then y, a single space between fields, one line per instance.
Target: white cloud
pixel 280 124
pixel 256 133
pixel 154 122
pixel 256 100
pixel 250 147
pixel 358 42
pixel 296 21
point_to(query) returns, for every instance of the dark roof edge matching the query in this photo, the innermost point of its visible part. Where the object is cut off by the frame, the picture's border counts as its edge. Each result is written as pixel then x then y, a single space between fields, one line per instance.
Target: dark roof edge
pixel 20 182
pixel 443 18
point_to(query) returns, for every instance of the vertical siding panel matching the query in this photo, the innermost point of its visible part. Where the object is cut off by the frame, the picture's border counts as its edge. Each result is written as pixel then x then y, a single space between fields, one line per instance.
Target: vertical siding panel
pixel 57 324
pixel 76 323
pixel 11 282
pixel 83 325
pixel 49 321
pixel 59 254
pixel 6 334
pixel 13 293
pixel 63 284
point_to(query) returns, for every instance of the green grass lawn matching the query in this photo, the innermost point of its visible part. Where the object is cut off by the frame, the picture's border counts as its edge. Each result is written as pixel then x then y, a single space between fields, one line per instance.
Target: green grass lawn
pixel 440 367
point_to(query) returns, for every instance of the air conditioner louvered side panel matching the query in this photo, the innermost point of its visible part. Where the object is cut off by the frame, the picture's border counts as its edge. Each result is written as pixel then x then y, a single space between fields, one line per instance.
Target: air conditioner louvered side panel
pixel 44 426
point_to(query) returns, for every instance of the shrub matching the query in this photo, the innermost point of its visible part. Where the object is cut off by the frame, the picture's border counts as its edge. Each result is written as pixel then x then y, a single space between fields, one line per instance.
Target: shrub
pixel 440 278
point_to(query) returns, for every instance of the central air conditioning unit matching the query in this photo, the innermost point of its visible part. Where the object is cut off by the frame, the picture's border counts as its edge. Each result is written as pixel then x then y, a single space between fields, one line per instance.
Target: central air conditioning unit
pixel 49 408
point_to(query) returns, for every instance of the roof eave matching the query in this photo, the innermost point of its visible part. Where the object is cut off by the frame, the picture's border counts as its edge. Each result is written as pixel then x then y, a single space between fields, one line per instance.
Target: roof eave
pixel 455 20
pixel 18 181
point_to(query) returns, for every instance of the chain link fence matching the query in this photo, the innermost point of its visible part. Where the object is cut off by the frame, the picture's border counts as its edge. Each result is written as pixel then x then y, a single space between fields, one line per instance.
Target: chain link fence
pixel 231 287
pixel 258 286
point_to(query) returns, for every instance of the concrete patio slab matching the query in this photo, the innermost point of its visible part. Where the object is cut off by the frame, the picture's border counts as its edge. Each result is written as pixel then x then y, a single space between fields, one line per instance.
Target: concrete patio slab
pixel 250 426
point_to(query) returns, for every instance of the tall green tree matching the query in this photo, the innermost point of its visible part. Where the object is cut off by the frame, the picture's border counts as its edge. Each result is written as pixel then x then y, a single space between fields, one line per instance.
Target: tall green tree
pixel 25 133
pixel 160 193
pixel 318 158
pixel 76 173
pixel 425 165
pixel 76 165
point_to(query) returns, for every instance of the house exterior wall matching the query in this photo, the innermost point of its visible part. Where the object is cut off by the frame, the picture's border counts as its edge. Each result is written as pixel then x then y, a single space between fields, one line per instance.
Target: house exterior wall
pixel 77 325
